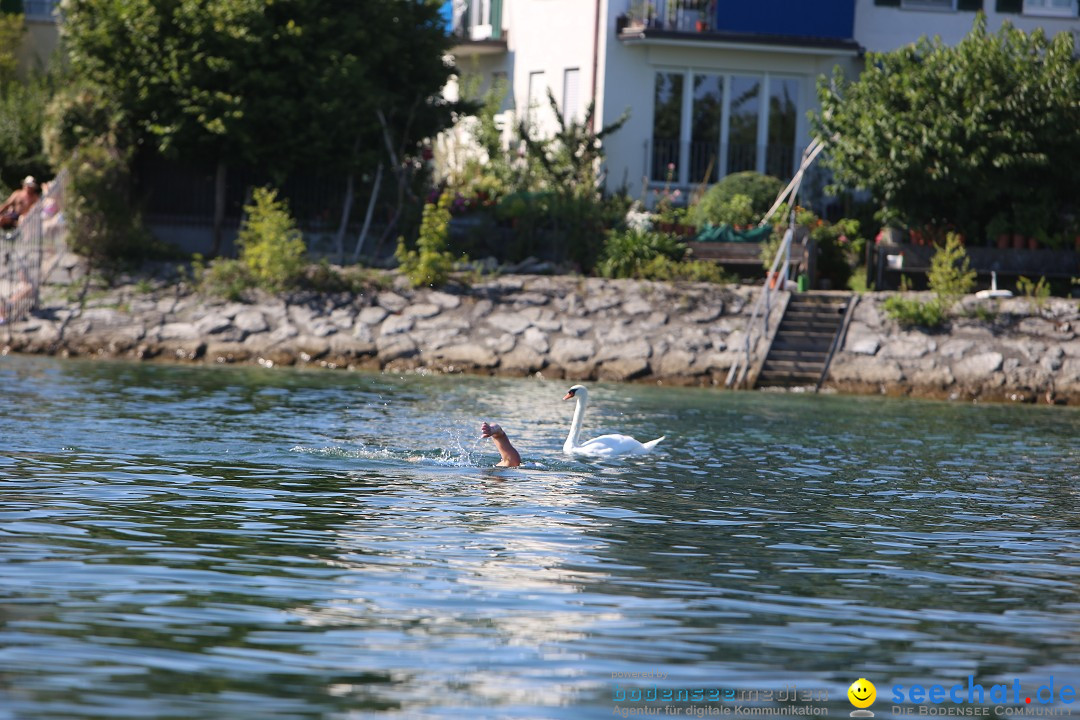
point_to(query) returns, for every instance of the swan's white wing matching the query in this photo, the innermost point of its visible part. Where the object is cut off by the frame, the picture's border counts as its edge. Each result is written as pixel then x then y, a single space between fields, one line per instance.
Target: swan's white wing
pixel 611 446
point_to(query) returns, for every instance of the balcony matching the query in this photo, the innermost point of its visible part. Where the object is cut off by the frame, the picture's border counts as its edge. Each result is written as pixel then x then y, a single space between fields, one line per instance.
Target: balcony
pixel 477 28
pixel 791 23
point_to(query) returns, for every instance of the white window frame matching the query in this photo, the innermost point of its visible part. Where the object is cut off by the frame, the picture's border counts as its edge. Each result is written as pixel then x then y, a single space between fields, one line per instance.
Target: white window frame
pixel 537 83
pixel 683 178
pixel 571 102
pixel 1050 11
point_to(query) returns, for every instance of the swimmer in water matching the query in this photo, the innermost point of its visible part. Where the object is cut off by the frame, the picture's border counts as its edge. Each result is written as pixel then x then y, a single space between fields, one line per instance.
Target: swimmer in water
pixel 510 456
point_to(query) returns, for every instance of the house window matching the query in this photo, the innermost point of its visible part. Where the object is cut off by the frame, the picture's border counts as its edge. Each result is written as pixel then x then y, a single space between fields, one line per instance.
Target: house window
pixel 743 125
pixel 537 93
pixel 783 116
pixel 571 94
pixel 705 128
pixel 707 125
pixel 500 82
pixel 1055 8
pixel 667 125
pixel 928 4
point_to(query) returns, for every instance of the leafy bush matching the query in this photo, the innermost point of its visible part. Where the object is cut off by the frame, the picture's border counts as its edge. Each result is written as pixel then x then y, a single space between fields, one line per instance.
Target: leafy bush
pixel 1036 292
pixel 271 246
pixel 627 252
pixel 971 152
pixel 760 189
pixel 664 268
pixel 86 131
pixel 223 277
pixel 430 264
pixel 910 311
pixel 22 116
pixel 950 276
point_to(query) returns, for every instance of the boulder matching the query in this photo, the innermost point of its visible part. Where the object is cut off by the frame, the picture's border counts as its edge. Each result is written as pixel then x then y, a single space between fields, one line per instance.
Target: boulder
pixel 521 360
pixel 421 311
pixel 512 323
pixel 566 351
pixel 467 355
pixel 396 325
pixel 623 369
pixel 977 368
pixel 372 315
pixel 391 301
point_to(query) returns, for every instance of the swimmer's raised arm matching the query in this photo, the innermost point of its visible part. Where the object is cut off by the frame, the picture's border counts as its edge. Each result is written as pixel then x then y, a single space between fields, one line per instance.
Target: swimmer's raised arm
pixel 510 456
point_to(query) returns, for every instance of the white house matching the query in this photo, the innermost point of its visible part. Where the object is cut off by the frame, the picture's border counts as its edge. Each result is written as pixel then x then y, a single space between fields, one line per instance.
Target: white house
pixel 713 86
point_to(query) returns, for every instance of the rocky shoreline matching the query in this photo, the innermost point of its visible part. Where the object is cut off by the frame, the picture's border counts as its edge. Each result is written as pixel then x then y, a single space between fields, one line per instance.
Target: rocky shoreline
pixel 558 327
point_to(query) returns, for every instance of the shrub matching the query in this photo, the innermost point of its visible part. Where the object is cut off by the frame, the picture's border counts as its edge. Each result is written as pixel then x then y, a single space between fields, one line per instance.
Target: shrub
pixel 663 267
pixel 950 276
pixel 761 189
pixel 1036 292
pixel 271 246
pixel 223 277
pixel 910 311
pixel 430 263
pixel 627 252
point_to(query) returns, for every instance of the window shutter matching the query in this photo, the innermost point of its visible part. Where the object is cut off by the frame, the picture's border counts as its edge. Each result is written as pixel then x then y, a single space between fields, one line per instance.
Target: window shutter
pixel 888 3
pixel 969 5
pixel 1010 6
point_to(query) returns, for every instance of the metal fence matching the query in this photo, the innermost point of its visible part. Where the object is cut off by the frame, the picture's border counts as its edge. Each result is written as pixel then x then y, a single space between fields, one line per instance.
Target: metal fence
pixel 30 251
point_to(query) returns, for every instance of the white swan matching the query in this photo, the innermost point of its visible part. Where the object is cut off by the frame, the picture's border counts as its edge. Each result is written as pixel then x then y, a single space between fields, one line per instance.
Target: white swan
pixel 605 446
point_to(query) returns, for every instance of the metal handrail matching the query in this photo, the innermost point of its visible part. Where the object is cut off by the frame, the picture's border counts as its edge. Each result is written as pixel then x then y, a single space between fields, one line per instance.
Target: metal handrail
pixel 740 368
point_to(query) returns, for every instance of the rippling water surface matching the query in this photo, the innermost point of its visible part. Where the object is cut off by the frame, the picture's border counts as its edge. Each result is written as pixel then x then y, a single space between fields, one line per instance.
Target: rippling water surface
pixel 182 542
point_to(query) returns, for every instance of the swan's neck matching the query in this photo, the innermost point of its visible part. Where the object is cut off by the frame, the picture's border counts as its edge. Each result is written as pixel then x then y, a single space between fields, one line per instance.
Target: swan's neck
pixel 575 425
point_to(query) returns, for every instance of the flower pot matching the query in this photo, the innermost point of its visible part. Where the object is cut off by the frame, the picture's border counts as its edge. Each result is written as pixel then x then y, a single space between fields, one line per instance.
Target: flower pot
pixel 699 26
pixel 1033 244
pixel 1003 241
pixel 1019 242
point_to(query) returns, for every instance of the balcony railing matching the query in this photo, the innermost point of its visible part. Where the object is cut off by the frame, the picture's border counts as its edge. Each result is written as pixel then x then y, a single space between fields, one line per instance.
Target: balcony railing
pixel 678 15
pixel 830 22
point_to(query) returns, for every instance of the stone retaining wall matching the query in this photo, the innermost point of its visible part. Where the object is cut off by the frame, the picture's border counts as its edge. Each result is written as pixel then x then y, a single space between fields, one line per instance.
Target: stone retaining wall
pixel 1007 349
pixel 515 325
pixel 564 327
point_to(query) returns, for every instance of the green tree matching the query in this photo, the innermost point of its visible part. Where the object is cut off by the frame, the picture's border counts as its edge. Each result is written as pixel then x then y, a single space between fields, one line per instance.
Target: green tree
pixel 430 263
pixel 951 135
pixel 273 85
pixel 271 246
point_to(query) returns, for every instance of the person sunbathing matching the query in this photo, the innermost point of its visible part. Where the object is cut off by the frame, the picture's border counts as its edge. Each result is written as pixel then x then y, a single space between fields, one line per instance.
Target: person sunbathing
pixel 510 456
pixel 19 203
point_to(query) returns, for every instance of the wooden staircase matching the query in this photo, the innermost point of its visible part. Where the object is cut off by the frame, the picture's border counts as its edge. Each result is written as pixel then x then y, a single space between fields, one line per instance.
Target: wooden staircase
pixel 804 342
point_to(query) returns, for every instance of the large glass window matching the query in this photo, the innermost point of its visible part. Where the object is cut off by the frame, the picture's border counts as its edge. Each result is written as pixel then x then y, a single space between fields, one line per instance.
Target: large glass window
pixel 780 150
pixel 707 125
pixel 743 125
pixel 667 125
pixel 705 128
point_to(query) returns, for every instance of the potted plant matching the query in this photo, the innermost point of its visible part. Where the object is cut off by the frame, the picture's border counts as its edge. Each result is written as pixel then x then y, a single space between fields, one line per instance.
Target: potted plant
pixel 998 231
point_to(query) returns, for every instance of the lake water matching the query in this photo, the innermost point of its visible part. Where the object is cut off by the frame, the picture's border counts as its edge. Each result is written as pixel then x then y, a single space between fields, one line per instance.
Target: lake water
pixel 182 542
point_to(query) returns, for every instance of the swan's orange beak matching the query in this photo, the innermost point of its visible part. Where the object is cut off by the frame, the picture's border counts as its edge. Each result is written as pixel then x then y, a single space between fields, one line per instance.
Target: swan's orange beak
pixel 568 396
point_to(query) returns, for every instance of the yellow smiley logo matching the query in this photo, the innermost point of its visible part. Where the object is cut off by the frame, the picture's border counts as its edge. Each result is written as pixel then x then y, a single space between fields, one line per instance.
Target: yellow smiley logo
pixel 862 693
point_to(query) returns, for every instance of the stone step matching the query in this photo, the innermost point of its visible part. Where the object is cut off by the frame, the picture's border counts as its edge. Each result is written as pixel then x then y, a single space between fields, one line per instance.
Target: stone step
pixel 798 356
pixel 785 379
pixel 795 366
